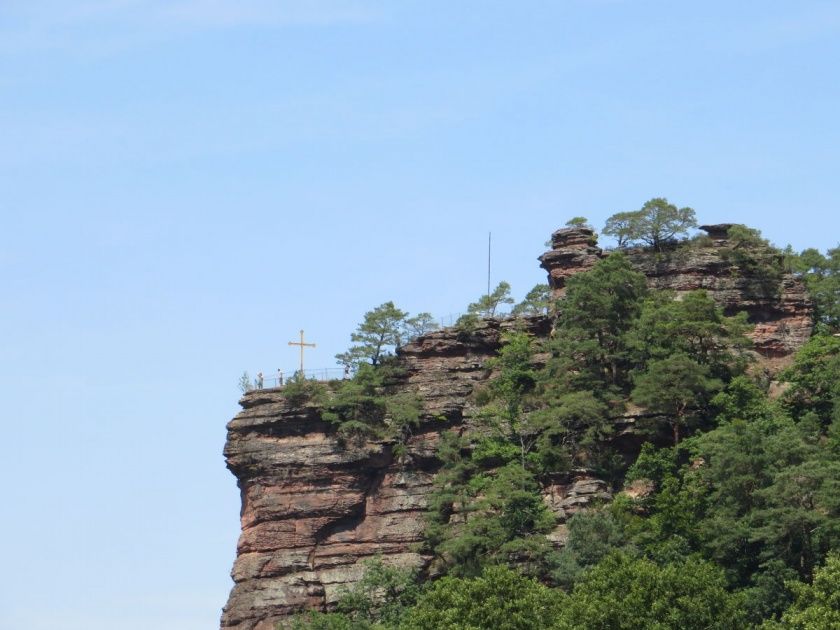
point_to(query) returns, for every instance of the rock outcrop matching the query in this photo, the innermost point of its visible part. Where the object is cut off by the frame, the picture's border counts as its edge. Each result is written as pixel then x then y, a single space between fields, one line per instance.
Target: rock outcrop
pixel 737 277
pixel 572 250
pixel 314 507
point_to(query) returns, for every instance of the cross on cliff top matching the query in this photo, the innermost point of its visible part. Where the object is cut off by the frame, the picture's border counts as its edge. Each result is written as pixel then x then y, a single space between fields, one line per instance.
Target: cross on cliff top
pixel 302 345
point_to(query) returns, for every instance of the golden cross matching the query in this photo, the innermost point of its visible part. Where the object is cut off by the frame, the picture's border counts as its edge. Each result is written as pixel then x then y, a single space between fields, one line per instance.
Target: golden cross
pixel 302 346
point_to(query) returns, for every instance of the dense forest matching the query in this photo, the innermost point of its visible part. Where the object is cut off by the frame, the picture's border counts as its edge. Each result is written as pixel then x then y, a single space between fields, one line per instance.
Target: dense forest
pixel 726 515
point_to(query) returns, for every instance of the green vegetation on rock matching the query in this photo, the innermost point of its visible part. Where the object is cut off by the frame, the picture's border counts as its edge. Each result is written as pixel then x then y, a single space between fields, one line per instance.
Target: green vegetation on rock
pixel 723 502
pixel 383 329
pixel 822 277
pixel 488 304
pixel 656 224
pixel 536 302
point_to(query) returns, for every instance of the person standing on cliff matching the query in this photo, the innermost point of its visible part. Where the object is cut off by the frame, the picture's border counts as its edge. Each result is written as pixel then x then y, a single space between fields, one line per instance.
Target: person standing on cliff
pixel 259 380
pixel 279 377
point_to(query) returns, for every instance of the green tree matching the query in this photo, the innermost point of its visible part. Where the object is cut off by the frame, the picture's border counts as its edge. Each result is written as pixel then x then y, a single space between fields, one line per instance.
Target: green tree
pixel 548 428
pixel 499 518
pixel 742 399
pixel 365 407
pixel 450 494
pixel 768 594
pixel 487 304
pixel 693 325
pixel 375 337
pixel 379 600
pixel 822 277
pixel 655 224
pixel 599 308
pixel 536 302
pixel 492 494
pixel 675 387
pixel 570 428
pixel 771 493
pixel 499 598
pixel 817 605
pixel 742 236
pixel 383 595
pixel 815 379
pixel 358 406
pixel 797 518
pixel 578 222
pixel 622 226
pixel 653 464
pixel 758 495
pixel 656 466
pixel 759 263
pixel 418 325
pixel 660 222
pixel 515 379
pixel 593 534
pixel 623 592
pixel 738 459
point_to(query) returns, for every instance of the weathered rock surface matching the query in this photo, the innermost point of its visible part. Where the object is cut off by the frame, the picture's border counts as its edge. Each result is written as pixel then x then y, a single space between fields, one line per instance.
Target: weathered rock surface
pixel 572 250
pixel 313 508
pixel 776 303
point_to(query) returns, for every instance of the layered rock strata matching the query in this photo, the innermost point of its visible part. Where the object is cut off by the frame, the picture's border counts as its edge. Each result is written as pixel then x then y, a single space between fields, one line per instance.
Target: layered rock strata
pixel 313 508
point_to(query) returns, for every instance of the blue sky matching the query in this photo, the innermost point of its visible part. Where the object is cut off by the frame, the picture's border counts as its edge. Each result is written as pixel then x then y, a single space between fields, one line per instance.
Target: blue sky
pixel 185 184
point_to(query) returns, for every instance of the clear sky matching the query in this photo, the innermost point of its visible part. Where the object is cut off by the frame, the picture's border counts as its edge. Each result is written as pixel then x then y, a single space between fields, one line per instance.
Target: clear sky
pixel 184 184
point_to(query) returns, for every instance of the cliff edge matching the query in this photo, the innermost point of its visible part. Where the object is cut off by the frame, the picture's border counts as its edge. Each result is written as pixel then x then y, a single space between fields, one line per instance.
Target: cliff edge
pixel 314 506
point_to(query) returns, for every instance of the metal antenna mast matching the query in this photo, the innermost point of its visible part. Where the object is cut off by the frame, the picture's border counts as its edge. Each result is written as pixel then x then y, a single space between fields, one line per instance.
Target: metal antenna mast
pixel 489 241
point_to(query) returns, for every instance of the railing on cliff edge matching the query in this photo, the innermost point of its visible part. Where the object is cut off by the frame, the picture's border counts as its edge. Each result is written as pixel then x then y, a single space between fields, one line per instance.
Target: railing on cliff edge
pixel 281 377
pixel 317 374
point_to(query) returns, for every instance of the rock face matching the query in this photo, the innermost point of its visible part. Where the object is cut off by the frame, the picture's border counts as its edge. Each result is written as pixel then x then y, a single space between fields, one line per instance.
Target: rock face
pixel 736 277
pixel 308 504
pixel 314 508
pixel 572 250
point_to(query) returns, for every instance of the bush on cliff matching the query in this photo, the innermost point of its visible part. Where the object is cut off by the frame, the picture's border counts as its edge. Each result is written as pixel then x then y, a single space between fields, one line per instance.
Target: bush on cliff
pixel 300 390
pixel 364 406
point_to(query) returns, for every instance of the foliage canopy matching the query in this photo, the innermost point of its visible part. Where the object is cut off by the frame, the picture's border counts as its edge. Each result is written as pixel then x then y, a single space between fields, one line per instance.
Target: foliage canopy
pixel 731 518
pixel 657 223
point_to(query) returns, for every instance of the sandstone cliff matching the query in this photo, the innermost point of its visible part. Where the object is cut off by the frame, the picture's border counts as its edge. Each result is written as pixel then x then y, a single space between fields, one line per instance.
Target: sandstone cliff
pixel 313 508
